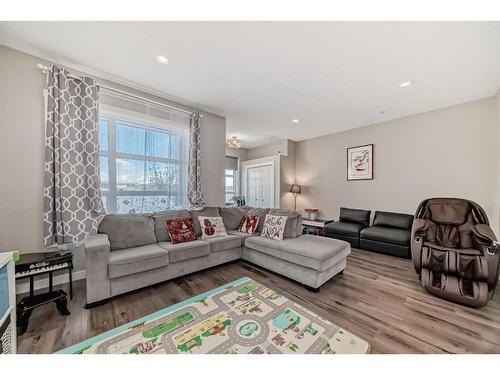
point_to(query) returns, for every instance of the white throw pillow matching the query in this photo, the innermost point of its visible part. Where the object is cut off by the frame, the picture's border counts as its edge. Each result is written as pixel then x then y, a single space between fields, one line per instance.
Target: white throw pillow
pixel 274 227
pixel 211 227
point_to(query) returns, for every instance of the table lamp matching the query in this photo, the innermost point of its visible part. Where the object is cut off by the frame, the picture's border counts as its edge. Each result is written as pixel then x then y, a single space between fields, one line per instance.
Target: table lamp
pixel 295 189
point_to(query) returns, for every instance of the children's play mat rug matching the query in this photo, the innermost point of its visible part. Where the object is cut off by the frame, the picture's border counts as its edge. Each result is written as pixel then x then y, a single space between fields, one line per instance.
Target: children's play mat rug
pixel 238 318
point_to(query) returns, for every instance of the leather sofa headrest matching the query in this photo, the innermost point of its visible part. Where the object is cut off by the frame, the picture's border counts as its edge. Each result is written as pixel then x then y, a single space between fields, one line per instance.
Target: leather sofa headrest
pixel 351 215
pixel 393 220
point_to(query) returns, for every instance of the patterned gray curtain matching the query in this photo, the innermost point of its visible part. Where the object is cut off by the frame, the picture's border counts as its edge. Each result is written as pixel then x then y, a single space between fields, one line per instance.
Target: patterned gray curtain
pixel 194 193
pixel 72 199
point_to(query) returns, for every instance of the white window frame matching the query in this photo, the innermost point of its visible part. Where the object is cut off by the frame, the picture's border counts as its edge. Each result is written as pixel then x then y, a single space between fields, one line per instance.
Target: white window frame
pixel 133 119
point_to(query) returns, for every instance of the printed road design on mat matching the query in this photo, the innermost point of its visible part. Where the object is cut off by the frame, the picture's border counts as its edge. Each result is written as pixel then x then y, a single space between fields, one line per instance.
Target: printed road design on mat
pixel 238 318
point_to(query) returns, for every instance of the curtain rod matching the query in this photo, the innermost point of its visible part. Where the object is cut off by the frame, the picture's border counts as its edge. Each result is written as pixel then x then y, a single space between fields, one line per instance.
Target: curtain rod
pixel 46 69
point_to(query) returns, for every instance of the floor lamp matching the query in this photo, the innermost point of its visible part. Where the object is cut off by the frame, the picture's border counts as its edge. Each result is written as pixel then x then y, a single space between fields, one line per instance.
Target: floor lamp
pixel 295 189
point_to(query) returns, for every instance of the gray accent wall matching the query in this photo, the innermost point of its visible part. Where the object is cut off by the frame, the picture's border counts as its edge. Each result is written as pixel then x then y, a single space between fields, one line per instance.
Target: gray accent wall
pixel 450 152
pixel 21 151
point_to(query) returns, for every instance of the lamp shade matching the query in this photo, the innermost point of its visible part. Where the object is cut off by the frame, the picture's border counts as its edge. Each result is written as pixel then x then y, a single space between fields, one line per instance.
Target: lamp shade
pixel 296 189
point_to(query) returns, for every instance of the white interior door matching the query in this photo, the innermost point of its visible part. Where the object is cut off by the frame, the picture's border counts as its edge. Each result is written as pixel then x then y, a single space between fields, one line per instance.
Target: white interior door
pixel 260 186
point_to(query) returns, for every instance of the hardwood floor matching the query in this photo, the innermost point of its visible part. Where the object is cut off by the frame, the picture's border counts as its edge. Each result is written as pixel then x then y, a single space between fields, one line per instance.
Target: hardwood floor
pixel 379 298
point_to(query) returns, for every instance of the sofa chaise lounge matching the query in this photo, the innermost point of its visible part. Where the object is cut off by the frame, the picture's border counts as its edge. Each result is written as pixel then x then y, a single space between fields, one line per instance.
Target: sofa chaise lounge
pixel 134 251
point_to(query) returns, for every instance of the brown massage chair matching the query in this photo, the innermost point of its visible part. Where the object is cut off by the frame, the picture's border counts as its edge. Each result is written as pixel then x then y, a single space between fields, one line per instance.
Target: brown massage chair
pixel 454 250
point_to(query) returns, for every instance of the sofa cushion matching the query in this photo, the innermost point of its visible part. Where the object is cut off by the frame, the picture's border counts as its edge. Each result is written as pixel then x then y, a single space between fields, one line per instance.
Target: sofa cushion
pixel 393 220
pixel 261 212
pixel 292 223
pixel 346 229
pixel 136 259
pixel 274 227
pixel 232 216
pixel 223 243
pixel 318 253
pixel 385 234
pixel 206 211
pixel 126 231
pixel 242 235
pixel 185 250
pixel 249 224
pixel 160 222
pixel 351 215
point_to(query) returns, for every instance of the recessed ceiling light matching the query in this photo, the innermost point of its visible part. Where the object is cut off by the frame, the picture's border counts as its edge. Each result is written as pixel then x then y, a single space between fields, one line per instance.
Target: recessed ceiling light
pixel 382 112
pixel 295 121
pixel 405 84
pixel 162 59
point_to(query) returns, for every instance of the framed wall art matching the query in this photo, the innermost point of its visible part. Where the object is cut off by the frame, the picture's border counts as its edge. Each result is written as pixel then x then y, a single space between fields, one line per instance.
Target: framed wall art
pixel 360 163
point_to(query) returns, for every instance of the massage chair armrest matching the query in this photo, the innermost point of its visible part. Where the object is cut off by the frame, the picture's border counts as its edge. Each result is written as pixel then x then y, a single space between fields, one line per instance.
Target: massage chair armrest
pixel 418 226
pixel 485 232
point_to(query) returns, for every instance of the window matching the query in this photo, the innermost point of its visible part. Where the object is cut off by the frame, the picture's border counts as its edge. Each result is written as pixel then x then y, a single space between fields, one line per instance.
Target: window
pixel 143 158
pixel 231 183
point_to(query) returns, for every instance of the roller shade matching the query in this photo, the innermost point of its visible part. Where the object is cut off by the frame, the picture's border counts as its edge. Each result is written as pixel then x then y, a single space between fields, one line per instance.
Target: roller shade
pixel 231 163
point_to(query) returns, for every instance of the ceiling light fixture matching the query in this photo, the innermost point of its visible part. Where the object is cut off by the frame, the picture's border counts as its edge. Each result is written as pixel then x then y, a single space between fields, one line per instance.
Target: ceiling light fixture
pixel 295 121
pixel 382 112
pixel 405 84
pixel 162 59
pixel 234 142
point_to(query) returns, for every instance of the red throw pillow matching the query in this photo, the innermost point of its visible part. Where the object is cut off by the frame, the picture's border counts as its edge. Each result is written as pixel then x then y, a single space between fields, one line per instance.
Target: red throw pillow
pixel 180 230
pixel 249 224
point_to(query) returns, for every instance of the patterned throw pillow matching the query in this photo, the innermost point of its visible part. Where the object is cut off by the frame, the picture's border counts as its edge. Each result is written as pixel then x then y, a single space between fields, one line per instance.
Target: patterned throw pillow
pixel 180 229
pixel 274 227
pixel 249 224
pixel 211 227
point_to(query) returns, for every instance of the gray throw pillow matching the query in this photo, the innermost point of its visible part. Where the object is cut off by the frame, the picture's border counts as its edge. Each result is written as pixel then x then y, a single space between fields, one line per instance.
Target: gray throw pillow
pixel 126 231
pixel 232 216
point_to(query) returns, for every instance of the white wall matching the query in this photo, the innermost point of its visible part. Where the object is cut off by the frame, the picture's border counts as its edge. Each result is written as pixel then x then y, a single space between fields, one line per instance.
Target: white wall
pixel 22 145
pixel 449 152
pixel 495 220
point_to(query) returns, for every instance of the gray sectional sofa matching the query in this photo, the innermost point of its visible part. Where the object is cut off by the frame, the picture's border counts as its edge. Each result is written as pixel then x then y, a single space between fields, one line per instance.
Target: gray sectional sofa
pixel 133 251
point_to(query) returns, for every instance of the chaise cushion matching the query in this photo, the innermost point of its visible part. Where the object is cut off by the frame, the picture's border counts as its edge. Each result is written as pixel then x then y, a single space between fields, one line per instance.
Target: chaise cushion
pixel 186 250
pixel 206 211
pixel 232 216
pixel 388 235
pixel 160 222
pixel 136 259
pixel 292 223
pixel 125 231
pixel 223 243
pixel 242 235
pixel 345 229
pixel 318 253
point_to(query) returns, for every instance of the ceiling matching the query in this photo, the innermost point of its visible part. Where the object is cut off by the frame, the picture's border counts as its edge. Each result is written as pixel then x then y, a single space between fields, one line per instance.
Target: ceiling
pixel 332 76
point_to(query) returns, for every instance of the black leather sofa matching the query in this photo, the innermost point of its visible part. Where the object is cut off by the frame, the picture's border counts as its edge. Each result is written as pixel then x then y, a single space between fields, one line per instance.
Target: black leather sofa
pixel 390 234
pixel 351 222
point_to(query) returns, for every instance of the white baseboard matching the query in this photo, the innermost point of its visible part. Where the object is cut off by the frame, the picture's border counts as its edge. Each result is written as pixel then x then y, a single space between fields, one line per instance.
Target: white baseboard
pixel 23 286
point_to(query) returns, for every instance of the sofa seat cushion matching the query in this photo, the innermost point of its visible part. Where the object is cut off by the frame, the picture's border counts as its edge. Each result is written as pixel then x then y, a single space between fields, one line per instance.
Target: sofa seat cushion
pixel 223 243
pixel 186 250
pixel 388 235
pixel 242 235
pixel 346 229
pixel 136 259
pixel 318 253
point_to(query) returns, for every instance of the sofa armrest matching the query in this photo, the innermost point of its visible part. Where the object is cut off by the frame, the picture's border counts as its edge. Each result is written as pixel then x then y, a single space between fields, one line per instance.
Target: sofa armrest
pixel 97 253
